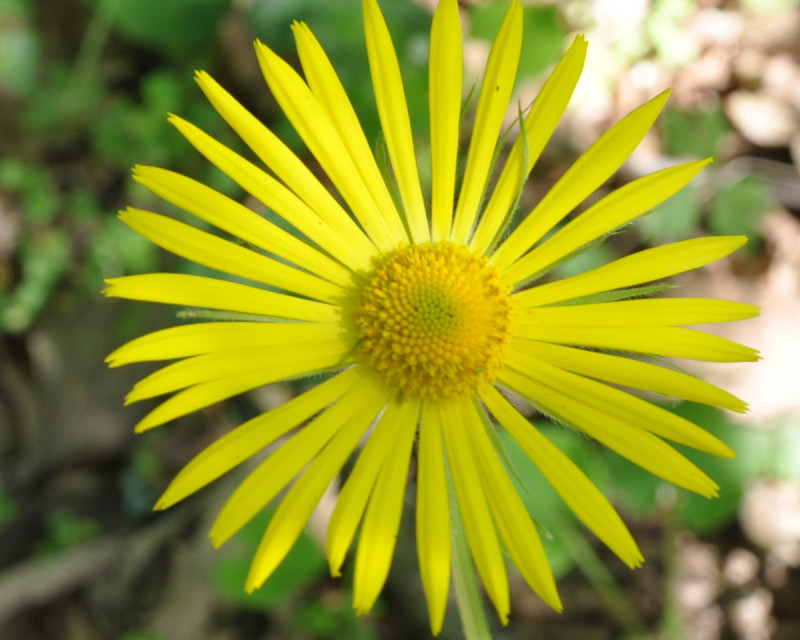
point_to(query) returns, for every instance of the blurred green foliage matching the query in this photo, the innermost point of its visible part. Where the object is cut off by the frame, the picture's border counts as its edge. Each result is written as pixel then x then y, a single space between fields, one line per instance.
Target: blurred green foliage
pixel 740 208
pixel 675 219
pixel 76 124
pixel 289 588
pixel 177 27
pixel 695 135
pixel 665 26
pixel 543 33
pixel 141 635
pixel 8 508
pixel 304 564
pixel 66 530
pixel 20 48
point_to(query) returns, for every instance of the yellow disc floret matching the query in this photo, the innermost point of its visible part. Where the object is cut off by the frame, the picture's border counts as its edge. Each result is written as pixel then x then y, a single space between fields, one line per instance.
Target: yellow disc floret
pixel 434 321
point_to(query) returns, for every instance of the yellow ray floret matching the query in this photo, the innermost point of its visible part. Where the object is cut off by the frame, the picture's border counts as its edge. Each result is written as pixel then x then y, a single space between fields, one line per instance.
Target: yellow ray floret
pixel 498 81
pixel 343 240
pixel 382 518
pixel 295 510
pixel 433 515
pixel 567 479
pixel 254 435
pixel 474 506
pixel 539 125
pixel 591 170
pixel 393 113
pixel 444 88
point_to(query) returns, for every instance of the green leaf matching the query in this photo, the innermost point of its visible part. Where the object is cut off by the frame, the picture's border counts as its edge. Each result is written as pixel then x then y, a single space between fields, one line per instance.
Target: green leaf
pixel 543 33
pixel 174 26
pixel 304 564
pixel 585 260
pixel 675 219
pixel 739 208
pixel 635 488
pixel 696 134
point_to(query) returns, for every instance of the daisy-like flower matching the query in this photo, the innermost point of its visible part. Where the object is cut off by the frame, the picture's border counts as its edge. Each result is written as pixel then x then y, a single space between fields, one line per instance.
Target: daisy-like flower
pixel 424 317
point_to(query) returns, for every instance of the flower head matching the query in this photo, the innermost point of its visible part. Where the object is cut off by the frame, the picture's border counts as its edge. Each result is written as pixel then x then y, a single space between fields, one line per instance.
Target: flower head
pixel 422 315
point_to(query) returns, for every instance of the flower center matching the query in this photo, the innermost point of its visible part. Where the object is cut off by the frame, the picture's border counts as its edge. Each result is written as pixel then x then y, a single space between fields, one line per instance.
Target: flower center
pixel 434 321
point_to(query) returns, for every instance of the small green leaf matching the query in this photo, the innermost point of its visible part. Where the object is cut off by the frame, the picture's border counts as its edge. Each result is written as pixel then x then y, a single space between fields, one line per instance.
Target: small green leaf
pixel 738 209
pixel 696 134
pixel 304 564
pixel 585 260
pixel 675 219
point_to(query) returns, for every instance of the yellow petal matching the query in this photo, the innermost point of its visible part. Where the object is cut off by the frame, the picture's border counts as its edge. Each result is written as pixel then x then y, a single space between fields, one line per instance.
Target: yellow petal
pixel 539 125
pixel 283 360
pixel 210 293
pixel 510 515
pixel 498 82
pixel 216 253
pixel 650 312
pixel 254 435
pixel 445 75
pixel 624 406
pixel 322 139
pixel 580 494
pixel 393 112
pixel 631 373
pixel 674 342
pixel 241 222
pixel 433 516
pixel 336 234
pixel 355 494
pixel 296 507
pixel 474 507
pixel 631 442
pixel 207 393
pixel 644 266
pixel 208 337
pixel 382 519
pixel 617 208
pixel 591 170
pixel 272 475
pixel 280 159
pixel 328 89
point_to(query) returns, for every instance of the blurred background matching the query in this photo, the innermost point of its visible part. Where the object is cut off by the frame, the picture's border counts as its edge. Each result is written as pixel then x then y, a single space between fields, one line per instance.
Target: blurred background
pixel 85 87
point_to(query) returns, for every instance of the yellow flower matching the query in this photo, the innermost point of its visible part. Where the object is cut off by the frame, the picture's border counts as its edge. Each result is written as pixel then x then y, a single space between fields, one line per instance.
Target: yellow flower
pixel 422 316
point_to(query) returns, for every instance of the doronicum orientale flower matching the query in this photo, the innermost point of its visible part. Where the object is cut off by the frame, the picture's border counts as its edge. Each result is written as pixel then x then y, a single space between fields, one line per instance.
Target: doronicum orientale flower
pixel 424 316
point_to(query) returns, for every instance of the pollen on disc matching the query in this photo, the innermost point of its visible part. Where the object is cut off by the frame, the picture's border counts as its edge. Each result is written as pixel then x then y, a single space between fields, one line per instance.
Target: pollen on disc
pixel 434 321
